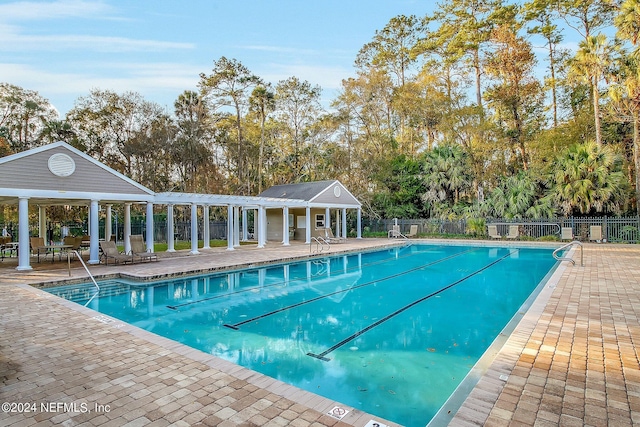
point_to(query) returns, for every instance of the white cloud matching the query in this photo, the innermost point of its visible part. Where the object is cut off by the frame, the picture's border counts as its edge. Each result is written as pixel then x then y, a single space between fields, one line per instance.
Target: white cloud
pixel 19 43
pixel 31 10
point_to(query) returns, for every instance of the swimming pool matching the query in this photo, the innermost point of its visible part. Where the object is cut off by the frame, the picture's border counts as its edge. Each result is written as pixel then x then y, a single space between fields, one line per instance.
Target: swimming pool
pixel 391 332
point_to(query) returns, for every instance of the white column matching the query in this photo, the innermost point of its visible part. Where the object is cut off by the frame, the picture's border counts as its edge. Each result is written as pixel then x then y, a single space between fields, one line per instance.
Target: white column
pixel 337 230
pixel 24 252
pixel 359 224
pixel 285 226
pixel 344 223
pixel 245 228
pixel 42 223
pixel 150 227
pixel 262 226
pixel 194 229
pixel 307 224
pixel 236 226
pixel 171 245
pixel 94 255
pixel 229 228
pixel 206 232
pixel 327 218
pixel 127 227
pixel 107 224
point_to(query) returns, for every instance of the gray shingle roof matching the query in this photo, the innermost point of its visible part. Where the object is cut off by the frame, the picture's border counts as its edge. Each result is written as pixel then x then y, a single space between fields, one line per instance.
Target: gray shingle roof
pixel 302 191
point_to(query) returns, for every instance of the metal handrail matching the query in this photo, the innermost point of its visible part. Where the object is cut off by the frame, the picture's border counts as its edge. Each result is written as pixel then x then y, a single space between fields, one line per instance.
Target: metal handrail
pixel 88 272
pixel 320 242
pixel 575 242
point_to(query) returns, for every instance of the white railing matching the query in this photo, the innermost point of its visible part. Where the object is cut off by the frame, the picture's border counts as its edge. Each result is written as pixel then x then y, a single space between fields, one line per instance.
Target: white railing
pixel 88 272
pixel 320 244
pixel 559 258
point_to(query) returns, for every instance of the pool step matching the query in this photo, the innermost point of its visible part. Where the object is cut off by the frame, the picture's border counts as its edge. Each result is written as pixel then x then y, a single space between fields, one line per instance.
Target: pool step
pixel 82 293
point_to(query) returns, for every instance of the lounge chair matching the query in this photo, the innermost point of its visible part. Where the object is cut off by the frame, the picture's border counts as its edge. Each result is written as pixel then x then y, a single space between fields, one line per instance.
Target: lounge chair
pixel 329 237
pixel 514 232
pixel 595 233
pixel 566 233
pixel 110 251
pixel 413 231
pixel 138 248
pixel 493 232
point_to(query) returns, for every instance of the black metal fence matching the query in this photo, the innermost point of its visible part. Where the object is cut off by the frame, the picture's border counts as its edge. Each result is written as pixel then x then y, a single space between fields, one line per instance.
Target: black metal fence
pixel 614 229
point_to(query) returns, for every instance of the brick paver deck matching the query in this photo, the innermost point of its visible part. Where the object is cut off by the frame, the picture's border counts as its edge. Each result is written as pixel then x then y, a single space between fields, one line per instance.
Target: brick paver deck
pixel 572 360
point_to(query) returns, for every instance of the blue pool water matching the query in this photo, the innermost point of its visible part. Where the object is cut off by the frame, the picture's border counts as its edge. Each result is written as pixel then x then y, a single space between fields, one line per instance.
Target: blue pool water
pixel 391 332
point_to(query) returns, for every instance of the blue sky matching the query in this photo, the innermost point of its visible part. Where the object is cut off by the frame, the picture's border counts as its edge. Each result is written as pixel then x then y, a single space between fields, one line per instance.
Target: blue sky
pixel 64 48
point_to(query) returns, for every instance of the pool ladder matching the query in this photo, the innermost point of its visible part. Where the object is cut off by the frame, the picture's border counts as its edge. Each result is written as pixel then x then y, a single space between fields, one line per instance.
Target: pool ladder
pixel 559 258
pixel 321 242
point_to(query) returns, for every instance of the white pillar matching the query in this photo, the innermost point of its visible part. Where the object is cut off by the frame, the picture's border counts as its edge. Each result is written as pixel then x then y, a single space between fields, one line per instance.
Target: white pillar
pixel 285 226
pixel 194 229
pixel 107 224
pixel 206 224
pixel 344 223
pixel 127 227
pixel 359 224
pixel 262 226
pixel 171 246
pixel 327 218
pixel 229 228
pixel 337 230
pixel 42 223
pixel 245 228
pixel 94 255
pixel 307 224
pixel 24 251
pixel 236 226
pixel 150 227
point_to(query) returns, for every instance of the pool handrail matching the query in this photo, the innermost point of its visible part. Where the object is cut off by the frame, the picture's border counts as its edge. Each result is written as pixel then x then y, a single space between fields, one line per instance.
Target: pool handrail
pixel 320 242
pixel 575 242
pixel 88 272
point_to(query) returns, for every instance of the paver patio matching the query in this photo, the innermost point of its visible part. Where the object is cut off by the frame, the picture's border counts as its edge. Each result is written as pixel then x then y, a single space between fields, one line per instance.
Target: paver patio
pixel 572 360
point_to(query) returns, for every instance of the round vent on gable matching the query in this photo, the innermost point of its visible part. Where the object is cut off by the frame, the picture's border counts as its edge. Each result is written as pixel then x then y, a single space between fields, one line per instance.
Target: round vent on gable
pixel 61 165
pixel 336 191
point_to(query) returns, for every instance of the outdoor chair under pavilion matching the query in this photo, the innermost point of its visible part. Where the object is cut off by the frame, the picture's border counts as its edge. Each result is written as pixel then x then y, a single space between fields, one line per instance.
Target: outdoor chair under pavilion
pixel 110 251
pixel 138 248
pixel 329 237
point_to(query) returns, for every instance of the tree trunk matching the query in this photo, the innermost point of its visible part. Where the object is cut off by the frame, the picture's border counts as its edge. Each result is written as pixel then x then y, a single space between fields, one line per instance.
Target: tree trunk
pixel 636 157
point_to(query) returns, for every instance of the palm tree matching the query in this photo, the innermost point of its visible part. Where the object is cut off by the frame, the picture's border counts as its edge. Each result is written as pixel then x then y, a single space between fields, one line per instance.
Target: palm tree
pixel 589 66
pixel 626 93
pixel 587 178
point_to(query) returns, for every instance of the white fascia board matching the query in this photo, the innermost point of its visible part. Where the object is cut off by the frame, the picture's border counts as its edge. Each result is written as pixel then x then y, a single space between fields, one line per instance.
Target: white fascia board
pixel 74 195
pixel 334 205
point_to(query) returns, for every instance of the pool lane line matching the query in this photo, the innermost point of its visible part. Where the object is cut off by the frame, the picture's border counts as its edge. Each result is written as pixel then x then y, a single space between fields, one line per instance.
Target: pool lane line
pixel 322 355
pixel 239 291
pixel 236 326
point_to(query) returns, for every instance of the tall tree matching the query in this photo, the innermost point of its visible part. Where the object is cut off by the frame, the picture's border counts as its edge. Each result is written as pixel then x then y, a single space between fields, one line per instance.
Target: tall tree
pixel 590 66
pixel 230 85
pixel 542 16
pixel 516 94
pixel 262 102
pixel 297 105
pixel 24 117
pixel 625 93
pixel 465 26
